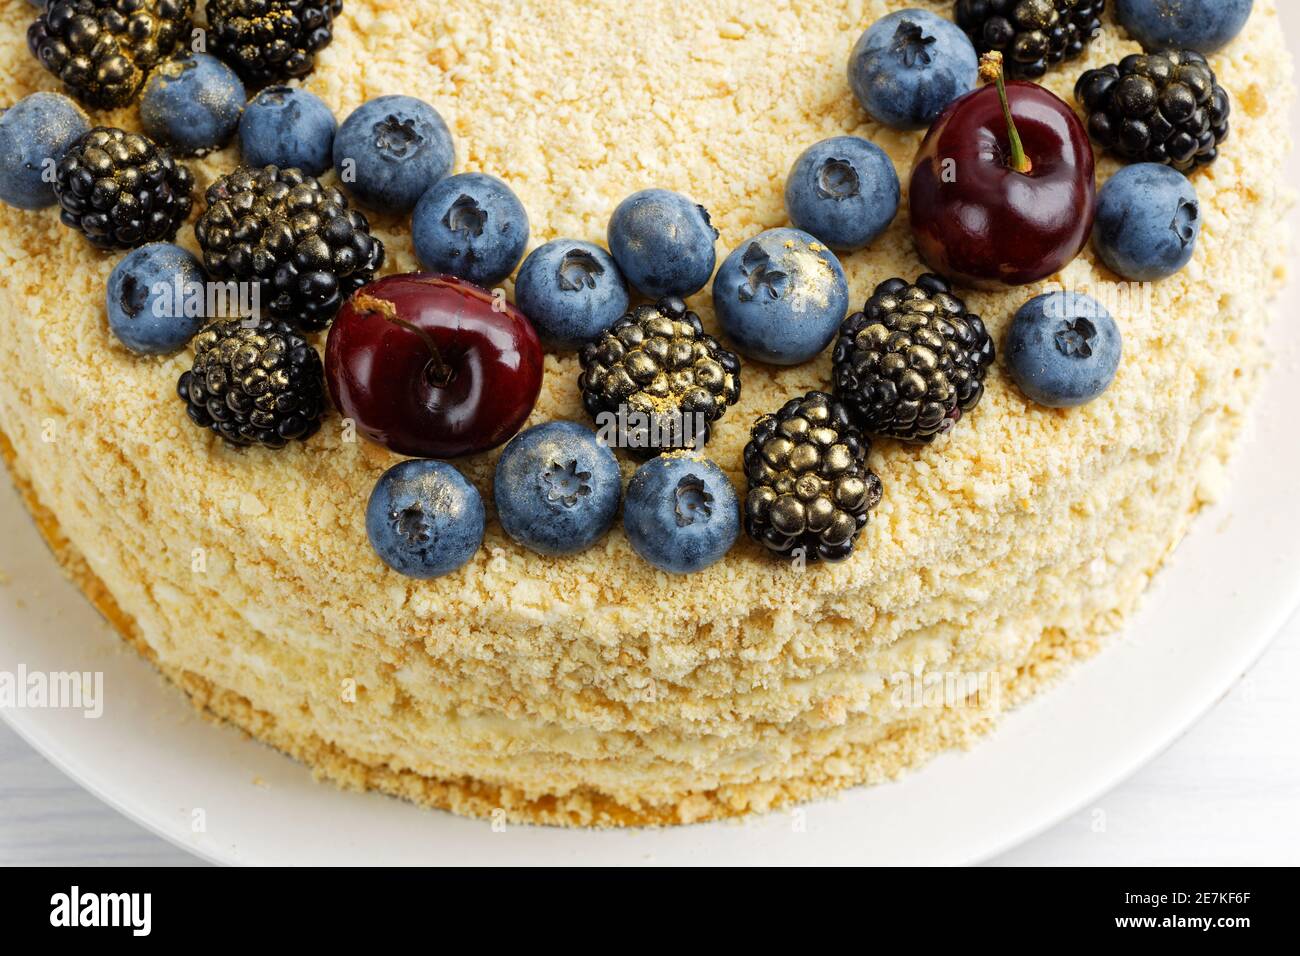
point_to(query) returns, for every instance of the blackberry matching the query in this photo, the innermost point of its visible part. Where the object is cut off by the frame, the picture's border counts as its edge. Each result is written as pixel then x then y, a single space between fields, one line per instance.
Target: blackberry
pixel 659 377
pixel 122 190
pixel 254 384
pixel 1157 108
pixel 269 41
pixel 103 50
pixel 809 485
pixel 912 361
pixel 298 239
pixel 1031 35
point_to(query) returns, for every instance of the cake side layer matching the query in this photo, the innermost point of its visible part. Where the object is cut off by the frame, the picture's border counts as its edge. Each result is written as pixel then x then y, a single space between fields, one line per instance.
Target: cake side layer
pixel 890 754
pixel 860 755
pixel 852 731
pixel 534 674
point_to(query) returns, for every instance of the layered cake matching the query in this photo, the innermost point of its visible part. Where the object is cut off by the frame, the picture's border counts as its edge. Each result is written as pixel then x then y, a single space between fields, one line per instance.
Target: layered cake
pixel 603 687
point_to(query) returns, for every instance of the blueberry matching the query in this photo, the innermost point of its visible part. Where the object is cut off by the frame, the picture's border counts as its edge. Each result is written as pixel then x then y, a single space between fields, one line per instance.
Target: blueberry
pixel 391 150
pixel 1202 25
pixel 781 296
pixel 156 299
pixel 844 191
pixel 1148 221
pixel 571 291
pixel 909 66
pixel 34 132
pixel 290 128
pixel 424 519
pixel 471 226
pixel 681 513
pixel 663 243
pixel 557 488
pixel 192 104
pixel 1063 349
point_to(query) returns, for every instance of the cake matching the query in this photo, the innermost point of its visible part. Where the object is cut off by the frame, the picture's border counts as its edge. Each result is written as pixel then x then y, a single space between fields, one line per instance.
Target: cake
pixel 594 689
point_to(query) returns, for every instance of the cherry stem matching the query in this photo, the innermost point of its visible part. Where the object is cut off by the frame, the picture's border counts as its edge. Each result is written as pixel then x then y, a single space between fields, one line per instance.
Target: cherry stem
pixel 991 70
pixel 442 372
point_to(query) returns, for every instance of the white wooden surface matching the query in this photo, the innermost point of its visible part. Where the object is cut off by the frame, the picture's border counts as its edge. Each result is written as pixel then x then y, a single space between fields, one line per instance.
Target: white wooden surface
pixel 1228 792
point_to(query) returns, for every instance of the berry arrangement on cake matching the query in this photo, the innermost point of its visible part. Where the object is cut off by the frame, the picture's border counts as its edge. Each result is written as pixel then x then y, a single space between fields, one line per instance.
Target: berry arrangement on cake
pixel 607 432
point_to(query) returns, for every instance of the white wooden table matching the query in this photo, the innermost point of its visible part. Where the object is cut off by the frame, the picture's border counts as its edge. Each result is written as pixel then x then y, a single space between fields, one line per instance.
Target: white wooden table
pixel 1228 792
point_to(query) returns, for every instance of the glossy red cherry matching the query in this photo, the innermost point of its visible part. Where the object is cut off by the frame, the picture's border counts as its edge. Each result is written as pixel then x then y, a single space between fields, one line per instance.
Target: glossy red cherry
pixel 433 366
pixel 989 214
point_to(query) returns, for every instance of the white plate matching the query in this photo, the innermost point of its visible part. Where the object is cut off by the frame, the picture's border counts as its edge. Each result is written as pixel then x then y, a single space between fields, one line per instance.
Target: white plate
pixel 1230 587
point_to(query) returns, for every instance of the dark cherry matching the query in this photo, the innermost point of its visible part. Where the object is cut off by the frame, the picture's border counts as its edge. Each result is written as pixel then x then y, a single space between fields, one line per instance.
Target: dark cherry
pixel 433 366
pixel 1004 190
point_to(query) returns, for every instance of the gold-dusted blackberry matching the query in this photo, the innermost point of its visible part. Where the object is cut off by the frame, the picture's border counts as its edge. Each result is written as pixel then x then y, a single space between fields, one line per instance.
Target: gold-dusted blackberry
pixel 254 384
pixel 103 50
pixel 1031 35
pixel 122 190
pixel 299 240
pixel 912 361
pixel 810 489
pixel 656 381
pixel 269 41
pixel 1163 108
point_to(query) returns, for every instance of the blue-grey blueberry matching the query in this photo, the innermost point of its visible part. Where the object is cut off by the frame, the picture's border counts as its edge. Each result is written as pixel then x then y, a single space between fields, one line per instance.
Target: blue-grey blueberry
pixel 192 104
pixel 557 488
pixel 34 133
pixel 1063 349
pixel 781 296
pixel 1148 221
pixel 471 226
pixel 1201 25
pixel 909 66
pixel 156 299
pixel 844 191
pixel 663 243
pixel 290 128
pixel 390 150
pixel 571 291
pixel 681 513
pixel 424 518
